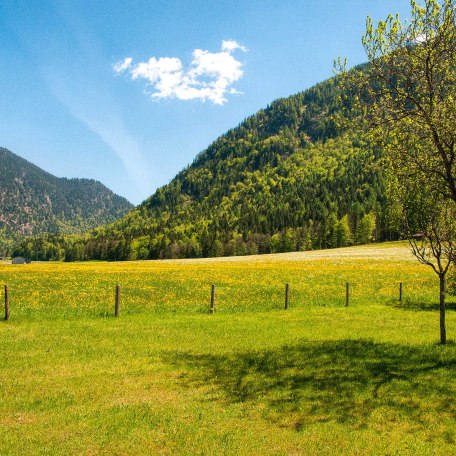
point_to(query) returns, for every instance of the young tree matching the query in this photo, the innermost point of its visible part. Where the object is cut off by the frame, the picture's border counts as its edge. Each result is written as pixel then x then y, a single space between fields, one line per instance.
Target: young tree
pixel 406 98
pixel 6 244
pixel 429 223
pixel 365 229
pixel 342 233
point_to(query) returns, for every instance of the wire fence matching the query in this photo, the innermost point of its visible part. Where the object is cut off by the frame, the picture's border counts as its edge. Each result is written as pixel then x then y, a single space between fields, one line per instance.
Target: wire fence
pixel 58 299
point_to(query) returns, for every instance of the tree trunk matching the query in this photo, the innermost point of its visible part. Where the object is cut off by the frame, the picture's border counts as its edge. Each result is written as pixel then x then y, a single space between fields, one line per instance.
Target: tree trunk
pixel 442 280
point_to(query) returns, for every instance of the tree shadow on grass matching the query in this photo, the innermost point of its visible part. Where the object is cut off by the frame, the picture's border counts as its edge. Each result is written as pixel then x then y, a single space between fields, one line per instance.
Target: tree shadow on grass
pixel 345 381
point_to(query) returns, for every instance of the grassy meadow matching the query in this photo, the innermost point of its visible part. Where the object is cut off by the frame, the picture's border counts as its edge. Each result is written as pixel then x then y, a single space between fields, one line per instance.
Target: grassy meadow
pixel 169 378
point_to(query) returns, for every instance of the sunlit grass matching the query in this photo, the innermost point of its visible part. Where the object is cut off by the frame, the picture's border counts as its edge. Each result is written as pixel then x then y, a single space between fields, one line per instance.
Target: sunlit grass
pixel 169 378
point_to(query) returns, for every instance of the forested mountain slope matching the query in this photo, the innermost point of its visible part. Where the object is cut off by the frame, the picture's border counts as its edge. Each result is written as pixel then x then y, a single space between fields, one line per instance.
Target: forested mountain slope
pixel 33 201
pixel 285 179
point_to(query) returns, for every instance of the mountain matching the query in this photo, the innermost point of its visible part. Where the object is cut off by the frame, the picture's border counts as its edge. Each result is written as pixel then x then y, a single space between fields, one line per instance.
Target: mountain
pixel 33 201
pixel 287 178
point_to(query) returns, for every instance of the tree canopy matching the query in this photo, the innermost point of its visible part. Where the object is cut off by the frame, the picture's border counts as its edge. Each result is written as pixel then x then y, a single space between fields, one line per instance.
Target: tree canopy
pixel 406 94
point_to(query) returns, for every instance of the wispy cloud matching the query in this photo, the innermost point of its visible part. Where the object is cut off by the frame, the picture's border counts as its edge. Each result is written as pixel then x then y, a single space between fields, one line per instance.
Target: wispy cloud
pixel 94 108
pixel 121 66
pixel 209 76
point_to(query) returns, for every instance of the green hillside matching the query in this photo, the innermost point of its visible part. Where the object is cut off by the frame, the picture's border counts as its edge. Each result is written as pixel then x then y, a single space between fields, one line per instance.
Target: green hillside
pixel 285 179
pixel 33 201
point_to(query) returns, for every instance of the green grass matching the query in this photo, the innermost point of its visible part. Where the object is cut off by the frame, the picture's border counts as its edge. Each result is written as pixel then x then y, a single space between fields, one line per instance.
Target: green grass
pixel 168 378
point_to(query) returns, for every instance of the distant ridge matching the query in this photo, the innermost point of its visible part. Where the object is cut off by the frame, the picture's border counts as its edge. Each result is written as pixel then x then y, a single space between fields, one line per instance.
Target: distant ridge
pixel 33 201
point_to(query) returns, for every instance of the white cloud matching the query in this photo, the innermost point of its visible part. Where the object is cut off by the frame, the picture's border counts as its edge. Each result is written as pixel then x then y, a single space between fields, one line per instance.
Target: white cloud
pixel 421 38
pixel 231 45
pixel 208 77
pixel 119 67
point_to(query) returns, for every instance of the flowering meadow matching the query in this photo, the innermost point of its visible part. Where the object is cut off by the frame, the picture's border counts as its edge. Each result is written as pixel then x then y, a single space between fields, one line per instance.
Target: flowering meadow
pixel 243 284
pixel 167 377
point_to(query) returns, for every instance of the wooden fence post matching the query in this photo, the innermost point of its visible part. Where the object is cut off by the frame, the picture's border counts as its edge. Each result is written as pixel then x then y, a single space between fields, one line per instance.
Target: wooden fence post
pixel 287 295
pixel 347 293
pixel 212 299
pixel 117 305
pixel 7 313
pixel 400 291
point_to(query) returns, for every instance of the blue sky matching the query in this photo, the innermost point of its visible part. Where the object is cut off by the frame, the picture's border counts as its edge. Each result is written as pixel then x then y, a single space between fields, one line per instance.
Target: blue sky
pixel 128 92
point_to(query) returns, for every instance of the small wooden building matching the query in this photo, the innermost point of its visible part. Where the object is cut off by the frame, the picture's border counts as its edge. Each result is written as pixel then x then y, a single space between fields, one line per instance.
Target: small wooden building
pixel 20 260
